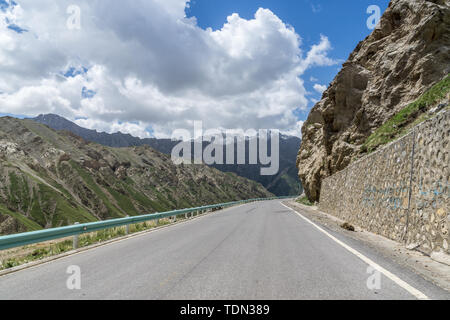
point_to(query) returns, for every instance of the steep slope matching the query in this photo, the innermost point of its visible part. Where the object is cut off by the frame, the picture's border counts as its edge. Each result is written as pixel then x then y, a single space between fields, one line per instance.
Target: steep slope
pixel 405 55
pixel 284 183
pixel 50 178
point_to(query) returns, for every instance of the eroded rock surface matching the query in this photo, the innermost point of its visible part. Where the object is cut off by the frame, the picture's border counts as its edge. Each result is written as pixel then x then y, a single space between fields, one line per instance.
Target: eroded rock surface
pixel 404 56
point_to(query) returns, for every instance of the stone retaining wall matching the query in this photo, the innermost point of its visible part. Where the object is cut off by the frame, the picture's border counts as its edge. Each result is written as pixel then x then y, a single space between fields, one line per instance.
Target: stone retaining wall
pixel 401 191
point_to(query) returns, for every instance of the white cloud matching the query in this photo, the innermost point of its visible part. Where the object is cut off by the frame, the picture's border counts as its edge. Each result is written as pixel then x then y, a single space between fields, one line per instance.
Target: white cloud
pixel 318 55
pixel 316 8
pixel 296 131
pixel 151 67
pixel 320 88
pixel 135 129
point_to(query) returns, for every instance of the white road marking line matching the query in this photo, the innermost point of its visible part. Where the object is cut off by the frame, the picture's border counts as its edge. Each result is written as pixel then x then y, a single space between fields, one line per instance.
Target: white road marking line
pixel 419 295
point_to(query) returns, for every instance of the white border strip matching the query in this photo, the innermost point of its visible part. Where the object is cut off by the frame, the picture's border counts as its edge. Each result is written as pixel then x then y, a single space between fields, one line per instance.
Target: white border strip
pixel 419 295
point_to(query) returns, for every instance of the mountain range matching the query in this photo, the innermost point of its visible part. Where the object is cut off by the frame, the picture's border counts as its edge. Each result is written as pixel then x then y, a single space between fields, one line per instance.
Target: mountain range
pixel 52 178
pixel 284 183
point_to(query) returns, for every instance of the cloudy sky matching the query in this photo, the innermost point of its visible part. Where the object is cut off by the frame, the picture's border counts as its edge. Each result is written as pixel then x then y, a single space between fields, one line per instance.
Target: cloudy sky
pixel 148 67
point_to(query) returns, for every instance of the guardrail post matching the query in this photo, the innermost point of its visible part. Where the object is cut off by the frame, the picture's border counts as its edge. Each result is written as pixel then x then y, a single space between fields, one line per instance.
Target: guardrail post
pixel 175 218
pixel 75 239
pixel 127 228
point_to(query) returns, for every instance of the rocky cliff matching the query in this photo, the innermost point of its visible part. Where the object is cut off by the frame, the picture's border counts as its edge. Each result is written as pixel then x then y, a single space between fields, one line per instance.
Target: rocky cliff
pixel 404 56
pixel 51 179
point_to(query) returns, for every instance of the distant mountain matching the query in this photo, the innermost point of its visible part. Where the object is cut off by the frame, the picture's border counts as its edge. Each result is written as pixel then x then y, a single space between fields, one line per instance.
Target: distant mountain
pixel 54 178
pixel 115 140
pixel 286 182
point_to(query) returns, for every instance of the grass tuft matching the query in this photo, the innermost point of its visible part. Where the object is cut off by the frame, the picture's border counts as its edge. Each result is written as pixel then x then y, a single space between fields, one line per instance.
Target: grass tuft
pixel 305 201
pixel 408 117
pixel 85 240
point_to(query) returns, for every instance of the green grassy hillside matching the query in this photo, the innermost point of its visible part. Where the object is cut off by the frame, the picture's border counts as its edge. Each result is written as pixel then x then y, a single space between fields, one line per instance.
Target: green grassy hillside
pixel 50 179
pixel 408 117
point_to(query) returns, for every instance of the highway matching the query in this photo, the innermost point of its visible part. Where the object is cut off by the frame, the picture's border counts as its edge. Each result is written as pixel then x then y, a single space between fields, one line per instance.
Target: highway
pixel 260 250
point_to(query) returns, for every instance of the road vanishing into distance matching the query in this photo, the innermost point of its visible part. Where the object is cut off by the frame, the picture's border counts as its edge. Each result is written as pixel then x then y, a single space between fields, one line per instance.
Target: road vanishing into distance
pixel 260 250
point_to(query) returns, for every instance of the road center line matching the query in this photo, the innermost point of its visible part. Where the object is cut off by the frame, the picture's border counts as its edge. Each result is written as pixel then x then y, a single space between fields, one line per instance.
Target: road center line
pixel 418 294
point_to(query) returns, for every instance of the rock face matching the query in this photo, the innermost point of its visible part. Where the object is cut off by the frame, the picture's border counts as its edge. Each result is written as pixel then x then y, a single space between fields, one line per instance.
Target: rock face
pixel 404 56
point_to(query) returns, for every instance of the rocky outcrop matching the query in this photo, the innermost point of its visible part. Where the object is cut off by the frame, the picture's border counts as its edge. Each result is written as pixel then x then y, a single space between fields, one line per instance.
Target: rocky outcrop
pixel 404 56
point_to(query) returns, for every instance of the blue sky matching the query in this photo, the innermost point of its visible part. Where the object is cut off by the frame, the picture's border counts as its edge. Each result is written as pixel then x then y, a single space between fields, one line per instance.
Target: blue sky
pixel 343 22
pixel 140 67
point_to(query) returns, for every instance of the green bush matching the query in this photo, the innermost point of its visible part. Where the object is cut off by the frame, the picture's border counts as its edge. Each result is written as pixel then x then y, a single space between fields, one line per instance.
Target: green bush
pixel 10 263
pixel 305 201
pixel 411 115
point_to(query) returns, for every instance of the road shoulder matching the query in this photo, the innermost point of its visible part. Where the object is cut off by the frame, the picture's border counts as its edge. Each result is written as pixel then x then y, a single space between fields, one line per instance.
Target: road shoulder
pixel 417 262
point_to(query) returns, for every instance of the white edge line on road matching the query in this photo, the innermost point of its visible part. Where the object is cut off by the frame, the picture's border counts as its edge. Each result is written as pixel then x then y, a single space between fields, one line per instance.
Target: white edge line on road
pixel 419 295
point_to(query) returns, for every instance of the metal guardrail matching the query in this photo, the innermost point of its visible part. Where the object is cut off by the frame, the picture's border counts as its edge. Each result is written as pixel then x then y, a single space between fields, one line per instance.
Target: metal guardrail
pixel 22 239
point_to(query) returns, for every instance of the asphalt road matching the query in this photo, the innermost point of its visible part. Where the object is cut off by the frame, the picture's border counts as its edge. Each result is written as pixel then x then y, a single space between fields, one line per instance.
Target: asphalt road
pixel 255 251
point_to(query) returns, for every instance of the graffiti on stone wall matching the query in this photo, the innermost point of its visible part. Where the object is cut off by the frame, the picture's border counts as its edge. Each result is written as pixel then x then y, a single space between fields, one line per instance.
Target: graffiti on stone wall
pixel 391 197
pixel 432 197
pixel 396 197
pixel 402 191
